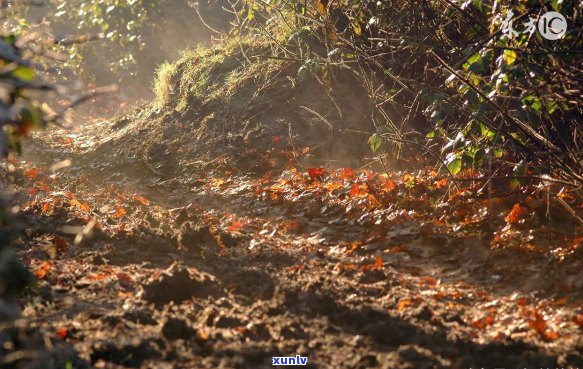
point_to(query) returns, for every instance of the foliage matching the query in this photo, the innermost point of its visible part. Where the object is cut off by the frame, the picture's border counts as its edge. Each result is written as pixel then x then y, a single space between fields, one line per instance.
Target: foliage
pixel 128 36
pixel 465 91
pixel 19 113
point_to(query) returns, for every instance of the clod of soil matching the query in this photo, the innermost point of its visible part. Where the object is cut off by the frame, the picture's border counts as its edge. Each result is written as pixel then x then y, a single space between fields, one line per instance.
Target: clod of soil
pixel 177 285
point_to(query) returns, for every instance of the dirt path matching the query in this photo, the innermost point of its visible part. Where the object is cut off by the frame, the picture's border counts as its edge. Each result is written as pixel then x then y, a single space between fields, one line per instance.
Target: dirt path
pixel 229 272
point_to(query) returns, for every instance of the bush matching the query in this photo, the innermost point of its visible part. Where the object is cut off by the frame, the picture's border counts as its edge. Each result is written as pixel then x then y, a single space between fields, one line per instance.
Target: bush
pixel 19 113
pixel 445 76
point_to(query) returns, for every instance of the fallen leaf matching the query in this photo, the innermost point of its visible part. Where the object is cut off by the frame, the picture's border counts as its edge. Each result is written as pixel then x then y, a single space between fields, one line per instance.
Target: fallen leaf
pixel 97 277
pixel 315 172
pixel 32 173
pixel 46 207
pixel 484 322
pixel 141 200
pixel 429 281
pixel 347 173
pixel 441 183
pixel 43 270
pixel 389 185
pixel 235 226
pixel 404 304
pixel 515 214
pixel 353 247
pixel 291 225
pixel 552 335
pixel 120 211
pixel 124 278
pixel 202 335
pixel 522 301
pixel 538 323
pixel 63 332
pixel 379 263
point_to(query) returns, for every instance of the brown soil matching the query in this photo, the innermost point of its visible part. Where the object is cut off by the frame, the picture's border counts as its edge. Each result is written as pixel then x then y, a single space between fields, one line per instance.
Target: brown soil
pixel 181 241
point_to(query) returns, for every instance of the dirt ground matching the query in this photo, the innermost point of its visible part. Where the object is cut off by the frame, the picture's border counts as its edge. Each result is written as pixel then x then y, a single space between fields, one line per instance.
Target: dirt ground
pixel 351 269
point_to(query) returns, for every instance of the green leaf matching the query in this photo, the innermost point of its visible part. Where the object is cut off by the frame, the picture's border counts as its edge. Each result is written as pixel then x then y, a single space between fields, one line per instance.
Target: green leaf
pixel 510 57
pixel 431 134
pixel 455 165
pixel 356 27
pixel 375 142
pixel 24 73
pixel 515 184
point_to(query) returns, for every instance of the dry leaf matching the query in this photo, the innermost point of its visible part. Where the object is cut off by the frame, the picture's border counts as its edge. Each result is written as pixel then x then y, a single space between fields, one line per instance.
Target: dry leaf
pixel 43 270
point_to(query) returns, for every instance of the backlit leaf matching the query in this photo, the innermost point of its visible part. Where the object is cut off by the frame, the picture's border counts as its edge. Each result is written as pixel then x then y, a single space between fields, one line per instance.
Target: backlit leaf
pixel 510 57
pixel 315 172
pixel 375 142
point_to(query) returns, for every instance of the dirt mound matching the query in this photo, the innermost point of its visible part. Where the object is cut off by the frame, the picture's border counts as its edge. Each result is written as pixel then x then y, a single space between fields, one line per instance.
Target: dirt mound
pixel 234 108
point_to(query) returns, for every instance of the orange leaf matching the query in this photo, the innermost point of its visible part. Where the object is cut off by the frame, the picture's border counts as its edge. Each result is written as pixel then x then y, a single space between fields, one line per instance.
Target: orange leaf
pixel 46 207
pixel 70 195
pixel 441 183
pixel 77 204
pixel 355 190
pixel 578 319
pixel 522 301
pixel 358 190
pixel 379 263
pixel 403 304
pixel 389 185
pixel 141 200
pixel 484 322
pixel 120 211
pixel 355 246
pixel 124 277
pixel 85 207
pixel 97 277
pixel 291 225
pixel 332 186
pixel 429 281
pixel 63 332
pixel 32 173
pixel 44 269
pixel 202 335
pixel 515 214
pixel 537 322
pixel 552 335
pixel 347 173
pixel 236 226
pixel 315 172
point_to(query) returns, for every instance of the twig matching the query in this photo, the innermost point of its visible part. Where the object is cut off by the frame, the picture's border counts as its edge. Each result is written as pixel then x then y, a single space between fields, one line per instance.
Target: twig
pixel 195 7
pixel 569 209
pixel 80 100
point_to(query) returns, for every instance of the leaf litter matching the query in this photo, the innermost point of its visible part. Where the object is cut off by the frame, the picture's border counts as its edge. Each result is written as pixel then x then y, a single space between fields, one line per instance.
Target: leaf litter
pixel 364 252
